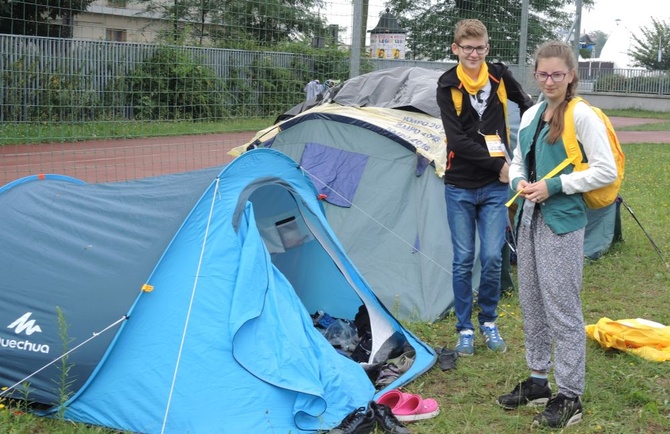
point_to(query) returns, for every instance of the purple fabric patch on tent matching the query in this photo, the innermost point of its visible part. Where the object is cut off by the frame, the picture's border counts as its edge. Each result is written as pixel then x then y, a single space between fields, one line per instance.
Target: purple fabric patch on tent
pixel 421 164
pixel 334 172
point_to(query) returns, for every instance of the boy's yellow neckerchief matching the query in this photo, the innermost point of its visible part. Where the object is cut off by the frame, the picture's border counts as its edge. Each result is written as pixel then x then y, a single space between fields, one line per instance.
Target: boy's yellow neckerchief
pixel 473 86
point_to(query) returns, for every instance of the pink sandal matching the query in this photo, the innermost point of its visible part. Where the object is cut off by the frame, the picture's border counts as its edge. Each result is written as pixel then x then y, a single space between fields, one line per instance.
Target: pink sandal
pixel 393 398
pixel 416 408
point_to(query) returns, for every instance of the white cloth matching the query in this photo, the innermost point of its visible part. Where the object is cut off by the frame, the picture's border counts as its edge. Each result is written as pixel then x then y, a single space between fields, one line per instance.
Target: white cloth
pixel 312 89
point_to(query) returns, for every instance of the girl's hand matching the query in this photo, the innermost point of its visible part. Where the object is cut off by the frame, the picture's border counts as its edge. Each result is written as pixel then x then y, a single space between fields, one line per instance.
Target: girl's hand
pixel 536 192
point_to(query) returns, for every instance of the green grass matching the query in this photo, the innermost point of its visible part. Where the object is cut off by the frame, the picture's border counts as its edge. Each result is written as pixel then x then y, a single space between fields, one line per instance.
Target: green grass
pixel 624 394
pixel 31 133
pixel 50 132
pixel 655 126
pixel 634 113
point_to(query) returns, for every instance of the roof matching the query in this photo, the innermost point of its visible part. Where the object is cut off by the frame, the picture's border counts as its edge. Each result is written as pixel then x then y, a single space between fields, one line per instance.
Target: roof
pixel 388 23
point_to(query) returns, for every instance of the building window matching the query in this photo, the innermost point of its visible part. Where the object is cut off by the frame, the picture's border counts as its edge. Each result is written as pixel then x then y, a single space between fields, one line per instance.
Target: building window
pixel 116 35
pixel 117 3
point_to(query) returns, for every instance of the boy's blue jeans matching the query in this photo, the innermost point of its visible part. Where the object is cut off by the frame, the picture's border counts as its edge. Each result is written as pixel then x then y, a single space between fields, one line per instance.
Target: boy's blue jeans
pixel 469 212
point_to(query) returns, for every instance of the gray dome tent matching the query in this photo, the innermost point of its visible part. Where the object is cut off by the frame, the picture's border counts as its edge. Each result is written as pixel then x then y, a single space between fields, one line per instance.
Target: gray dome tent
pixel 382 133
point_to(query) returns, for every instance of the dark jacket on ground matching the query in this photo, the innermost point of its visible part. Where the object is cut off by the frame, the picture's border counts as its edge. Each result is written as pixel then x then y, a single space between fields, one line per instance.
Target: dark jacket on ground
pixel 469 164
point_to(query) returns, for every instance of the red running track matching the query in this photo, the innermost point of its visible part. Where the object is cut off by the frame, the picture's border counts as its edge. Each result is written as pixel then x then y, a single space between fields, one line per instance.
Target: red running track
pixel 119 160
pixel 124 159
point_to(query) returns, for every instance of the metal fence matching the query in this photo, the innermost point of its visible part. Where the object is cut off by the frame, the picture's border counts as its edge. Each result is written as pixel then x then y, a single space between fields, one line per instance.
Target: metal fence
pixel 36 71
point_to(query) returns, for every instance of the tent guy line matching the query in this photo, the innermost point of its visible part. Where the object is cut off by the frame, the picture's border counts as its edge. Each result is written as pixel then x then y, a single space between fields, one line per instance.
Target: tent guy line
pixel 190 305
pixel 389 230
pixel 380 224
pixel 6 391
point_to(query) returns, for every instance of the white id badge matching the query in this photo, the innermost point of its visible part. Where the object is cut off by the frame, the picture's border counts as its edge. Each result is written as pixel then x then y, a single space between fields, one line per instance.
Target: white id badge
pixel 495 145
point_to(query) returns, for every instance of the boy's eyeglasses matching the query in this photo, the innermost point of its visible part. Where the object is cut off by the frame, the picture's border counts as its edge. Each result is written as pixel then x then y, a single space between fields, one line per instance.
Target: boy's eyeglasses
pixel 468 49
pixel 555 76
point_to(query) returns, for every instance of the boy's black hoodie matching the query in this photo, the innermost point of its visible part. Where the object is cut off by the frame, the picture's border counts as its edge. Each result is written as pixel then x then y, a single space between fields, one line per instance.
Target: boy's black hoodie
pixel 469 164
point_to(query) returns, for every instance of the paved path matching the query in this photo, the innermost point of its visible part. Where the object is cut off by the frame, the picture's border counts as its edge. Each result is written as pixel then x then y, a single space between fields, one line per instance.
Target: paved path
pixel 117 160
pixel 639 136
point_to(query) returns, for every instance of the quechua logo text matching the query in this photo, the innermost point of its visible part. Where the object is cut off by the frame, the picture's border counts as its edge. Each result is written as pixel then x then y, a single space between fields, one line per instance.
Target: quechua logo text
pixel 24 325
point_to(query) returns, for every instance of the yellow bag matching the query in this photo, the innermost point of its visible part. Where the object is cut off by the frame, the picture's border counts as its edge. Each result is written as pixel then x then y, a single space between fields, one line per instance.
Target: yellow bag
pixel 603 196
pixel 600 197
pixel 647 339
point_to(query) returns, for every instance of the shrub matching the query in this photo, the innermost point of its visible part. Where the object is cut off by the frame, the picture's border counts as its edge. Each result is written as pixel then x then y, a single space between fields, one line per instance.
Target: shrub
pixel 171 85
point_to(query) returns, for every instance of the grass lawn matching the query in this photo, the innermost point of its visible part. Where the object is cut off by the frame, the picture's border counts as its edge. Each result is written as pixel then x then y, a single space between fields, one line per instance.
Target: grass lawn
pixel 624 393
pixel 48 132
pixel 33 133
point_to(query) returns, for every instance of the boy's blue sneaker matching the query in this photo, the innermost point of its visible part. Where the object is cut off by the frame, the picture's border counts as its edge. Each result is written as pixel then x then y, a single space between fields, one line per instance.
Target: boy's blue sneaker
pixel 465 346
pixel 492 337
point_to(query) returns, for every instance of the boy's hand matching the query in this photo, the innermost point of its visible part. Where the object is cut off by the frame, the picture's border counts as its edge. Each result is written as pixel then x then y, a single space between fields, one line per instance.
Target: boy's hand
pixel 504 174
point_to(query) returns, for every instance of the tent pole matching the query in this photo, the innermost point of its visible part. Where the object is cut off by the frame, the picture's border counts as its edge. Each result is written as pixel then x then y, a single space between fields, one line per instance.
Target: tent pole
pixel 645 232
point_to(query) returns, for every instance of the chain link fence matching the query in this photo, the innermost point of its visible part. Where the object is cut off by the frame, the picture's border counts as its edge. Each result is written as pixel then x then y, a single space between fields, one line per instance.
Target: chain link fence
pixel 199 77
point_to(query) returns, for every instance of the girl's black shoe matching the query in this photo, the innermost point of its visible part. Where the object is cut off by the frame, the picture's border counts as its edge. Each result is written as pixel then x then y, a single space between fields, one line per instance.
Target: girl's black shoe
pixel 386 420
pixel 359 421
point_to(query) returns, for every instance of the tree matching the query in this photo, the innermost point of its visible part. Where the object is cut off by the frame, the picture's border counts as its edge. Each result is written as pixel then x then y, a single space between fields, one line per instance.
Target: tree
pixel 239 23
pixel 430 25
pixel 40 18
pixel 651 47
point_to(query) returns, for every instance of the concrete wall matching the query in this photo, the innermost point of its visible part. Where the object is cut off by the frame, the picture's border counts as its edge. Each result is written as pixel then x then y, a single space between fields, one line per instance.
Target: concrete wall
pixel 657 103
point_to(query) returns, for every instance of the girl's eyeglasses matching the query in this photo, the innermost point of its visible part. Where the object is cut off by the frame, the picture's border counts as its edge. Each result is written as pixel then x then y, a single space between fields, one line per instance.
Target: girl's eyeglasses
pixel 555 76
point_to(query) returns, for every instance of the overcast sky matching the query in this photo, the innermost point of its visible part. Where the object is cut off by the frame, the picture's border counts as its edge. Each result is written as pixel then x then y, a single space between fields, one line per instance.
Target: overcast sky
pixel 632 14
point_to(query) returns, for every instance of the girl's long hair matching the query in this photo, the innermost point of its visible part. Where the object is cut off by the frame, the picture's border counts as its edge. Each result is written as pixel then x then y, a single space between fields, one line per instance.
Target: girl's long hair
pixel 563 51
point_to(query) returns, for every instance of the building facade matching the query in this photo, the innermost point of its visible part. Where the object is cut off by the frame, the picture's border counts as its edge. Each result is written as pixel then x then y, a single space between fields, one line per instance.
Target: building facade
pixel 119 21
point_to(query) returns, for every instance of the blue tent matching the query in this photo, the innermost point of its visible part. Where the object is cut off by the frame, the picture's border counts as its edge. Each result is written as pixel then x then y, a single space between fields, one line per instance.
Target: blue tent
pixel 185 302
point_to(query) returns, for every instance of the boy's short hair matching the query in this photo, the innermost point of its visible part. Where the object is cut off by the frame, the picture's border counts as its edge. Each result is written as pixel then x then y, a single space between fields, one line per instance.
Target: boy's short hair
pixel 469 28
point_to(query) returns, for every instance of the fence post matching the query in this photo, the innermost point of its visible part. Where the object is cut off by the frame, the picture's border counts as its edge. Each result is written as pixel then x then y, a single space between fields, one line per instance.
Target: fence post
pixel 356 43
pixel 523 46
pixel 578 27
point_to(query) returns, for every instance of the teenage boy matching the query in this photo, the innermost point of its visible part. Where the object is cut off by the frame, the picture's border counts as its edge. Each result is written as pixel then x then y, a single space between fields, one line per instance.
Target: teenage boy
pixel 476 178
